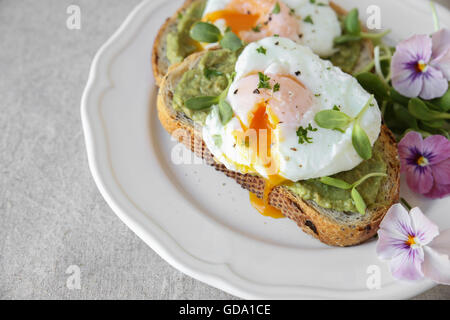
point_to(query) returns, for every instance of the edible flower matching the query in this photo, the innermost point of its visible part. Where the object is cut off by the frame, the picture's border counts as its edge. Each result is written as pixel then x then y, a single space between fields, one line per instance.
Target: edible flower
pixel 421 65
pixel 426 164
pixel 413 245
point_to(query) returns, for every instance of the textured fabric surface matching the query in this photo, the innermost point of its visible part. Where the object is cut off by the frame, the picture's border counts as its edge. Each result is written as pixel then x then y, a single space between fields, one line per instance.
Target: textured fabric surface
pixel 51 213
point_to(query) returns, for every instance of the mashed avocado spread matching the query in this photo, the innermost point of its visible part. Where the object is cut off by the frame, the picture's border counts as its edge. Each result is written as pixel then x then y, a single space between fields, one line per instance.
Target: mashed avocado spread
pixel 346 56
pixel 207 79
pixel 337 199
pixel 179 43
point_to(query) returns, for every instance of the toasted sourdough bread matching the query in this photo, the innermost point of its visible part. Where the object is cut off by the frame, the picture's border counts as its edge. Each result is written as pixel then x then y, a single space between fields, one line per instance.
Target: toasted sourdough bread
pixel 161 64
pixel 330 227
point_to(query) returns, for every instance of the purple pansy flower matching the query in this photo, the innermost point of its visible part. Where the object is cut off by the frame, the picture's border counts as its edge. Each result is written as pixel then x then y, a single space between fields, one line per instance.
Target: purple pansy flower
pixel 421 65
pixel 426 164
pixel 413 245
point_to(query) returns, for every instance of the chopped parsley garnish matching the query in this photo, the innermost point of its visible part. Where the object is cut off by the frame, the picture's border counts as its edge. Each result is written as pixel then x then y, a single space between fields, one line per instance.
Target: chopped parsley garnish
pixel 211 72
pixel 302 134
pixel 308 19
pixel 261 50
pixel 276 9
pixel 291 11
pixel 257 28
pixel 320 4
pixel 180 15
pixel 317 94
pixel 263 81
pixel 276 87
pixel 337 108
pixel 276 35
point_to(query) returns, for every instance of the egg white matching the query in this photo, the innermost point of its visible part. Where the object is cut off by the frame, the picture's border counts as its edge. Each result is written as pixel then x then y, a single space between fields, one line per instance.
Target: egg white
pixel 331 151
pixel 318 36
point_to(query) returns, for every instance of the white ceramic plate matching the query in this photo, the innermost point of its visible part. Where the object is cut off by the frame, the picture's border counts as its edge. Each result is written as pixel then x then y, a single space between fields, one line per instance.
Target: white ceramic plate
pixel 194 217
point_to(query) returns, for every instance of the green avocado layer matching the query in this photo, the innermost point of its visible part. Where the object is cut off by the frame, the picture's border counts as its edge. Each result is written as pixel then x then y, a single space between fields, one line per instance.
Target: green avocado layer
pixel 197 82
pixel 346 56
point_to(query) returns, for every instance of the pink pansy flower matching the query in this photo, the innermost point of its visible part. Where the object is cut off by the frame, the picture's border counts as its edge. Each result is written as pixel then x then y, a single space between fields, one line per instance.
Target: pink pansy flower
pixel 413 246
pixel 426 164
pixel 421 65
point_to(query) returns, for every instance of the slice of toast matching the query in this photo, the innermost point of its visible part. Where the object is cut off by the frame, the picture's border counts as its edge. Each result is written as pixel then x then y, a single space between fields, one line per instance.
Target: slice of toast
pixel 161 64
pixel 329 226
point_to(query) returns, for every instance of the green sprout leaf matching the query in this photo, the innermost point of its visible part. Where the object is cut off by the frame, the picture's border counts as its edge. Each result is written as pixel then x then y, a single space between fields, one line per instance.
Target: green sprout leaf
pixel 364 109
pixel 332 119
pixel 337 120
pixel 359 201
pixel 435 124
pixel 361 142
pixel 341 184
pixel 338 183
pixel 205 32
pixel 201 103
pixel 404 117
pixel 346 38
pixel 443 103
pixel 351 22
pixel 225 112
pixel 373 84
pixel 231 41
pixel 276 9
pixel 367 176
pixel 397 97
pixel 420 110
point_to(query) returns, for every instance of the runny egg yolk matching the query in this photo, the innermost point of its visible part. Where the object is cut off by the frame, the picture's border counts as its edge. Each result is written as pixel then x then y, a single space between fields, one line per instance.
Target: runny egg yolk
pixel 262 204
pixel 285 105
pixel 259 122
pixel 252 20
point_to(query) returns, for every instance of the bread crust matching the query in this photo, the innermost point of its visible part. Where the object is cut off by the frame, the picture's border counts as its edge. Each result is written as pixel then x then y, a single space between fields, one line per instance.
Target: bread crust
pixel 161 65
pixel 330 228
